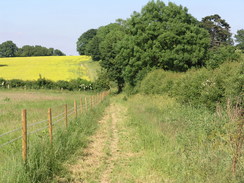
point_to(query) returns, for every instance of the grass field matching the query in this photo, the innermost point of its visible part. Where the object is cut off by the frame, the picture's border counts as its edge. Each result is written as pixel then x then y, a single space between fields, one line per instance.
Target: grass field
pixel 50 67
pixel 36 103
pixel 43 159
pixel 170 142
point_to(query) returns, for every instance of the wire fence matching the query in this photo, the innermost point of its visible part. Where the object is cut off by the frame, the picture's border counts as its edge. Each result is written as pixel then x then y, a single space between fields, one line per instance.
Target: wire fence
pixel 68 115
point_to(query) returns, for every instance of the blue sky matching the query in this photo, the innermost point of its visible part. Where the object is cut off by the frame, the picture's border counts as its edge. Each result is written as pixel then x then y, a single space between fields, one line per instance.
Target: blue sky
pixel 59 23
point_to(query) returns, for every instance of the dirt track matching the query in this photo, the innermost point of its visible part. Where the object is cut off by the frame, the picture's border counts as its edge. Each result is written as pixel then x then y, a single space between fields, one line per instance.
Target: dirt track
pixel 96 163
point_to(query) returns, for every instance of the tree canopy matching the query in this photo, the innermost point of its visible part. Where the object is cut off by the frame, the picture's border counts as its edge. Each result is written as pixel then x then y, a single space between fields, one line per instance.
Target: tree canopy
pixel 8 49
pixel 161 36
pixel 84 39
pixel 240 39
pixel 218 29
pixel 29 51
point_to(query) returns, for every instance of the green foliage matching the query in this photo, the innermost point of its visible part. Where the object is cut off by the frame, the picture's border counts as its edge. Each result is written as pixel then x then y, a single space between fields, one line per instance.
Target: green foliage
pixel 218 29
pixel 29 51
pixel 92 49
pixel 159 82
pixel 240 39
pixel 113 34
pixel 102 82
pixel 198 87
pixel 42 83
pixel 165 37
pixel 8 49
pixel 83 41
pixel 221 54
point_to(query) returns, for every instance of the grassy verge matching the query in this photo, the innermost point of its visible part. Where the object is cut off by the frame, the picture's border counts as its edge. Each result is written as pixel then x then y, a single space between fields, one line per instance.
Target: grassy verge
pixel 164 141
pixel 45 160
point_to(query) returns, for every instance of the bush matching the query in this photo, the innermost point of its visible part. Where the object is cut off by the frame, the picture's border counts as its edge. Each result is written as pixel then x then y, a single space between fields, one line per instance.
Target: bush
pixel 200 87
pixel 219 55
pixel 159 82
pixel 102 82
pixel 42 83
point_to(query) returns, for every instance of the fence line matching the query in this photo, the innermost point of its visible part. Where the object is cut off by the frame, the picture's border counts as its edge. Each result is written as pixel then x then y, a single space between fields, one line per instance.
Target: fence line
pixel 4 134
pixel 36 123
pixel 82 107
pixel 11 141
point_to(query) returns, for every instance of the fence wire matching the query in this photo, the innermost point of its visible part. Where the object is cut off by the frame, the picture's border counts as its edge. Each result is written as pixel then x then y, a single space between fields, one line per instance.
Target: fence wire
pixel 36 123
pixel 35 131
pixel 58 120
pixel 11 141
pixel 58 115
pixel 4 134
pixel 85 107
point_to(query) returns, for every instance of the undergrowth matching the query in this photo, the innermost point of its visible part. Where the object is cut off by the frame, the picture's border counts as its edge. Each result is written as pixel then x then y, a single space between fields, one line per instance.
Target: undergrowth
pixel 179 143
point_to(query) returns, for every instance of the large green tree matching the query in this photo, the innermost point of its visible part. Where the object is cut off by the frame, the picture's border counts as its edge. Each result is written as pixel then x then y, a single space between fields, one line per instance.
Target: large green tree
pixel 218 29
pixel 84 39
pixel 240 39
pixel 109 49
pixel 161 36
pixel 8 49
pixel 93 47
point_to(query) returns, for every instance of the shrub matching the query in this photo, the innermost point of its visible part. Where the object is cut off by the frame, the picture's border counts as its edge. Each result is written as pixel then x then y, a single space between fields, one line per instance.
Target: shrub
pixel 200 87
pixel 219 55
pixel 159 82
pixel 102 82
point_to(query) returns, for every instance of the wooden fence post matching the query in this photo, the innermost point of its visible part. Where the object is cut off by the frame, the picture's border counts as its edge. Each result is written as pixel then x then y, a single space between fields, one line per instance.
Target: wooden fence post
pixel 66 115
pixel 75 108
pixel 81 106
pixel 24 135
pixel 50 125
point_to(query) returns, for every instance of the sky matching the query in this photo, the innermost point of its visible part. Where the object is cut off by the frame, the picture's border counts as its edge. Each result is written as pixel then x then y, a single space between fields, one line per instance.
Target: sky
pixel 59 23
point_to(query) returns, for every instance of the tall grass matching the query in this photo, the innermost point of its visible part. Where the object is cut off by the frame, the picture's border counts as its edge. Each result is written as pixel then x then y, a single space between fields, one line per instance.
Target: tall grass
pixel 44 160
pixel 178 143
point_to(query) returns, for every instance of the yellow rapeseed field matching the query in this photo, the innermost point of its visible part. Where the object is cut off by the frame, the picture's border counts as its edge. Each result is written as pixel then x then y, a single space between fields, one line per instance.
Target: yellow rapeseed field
pixel 49 67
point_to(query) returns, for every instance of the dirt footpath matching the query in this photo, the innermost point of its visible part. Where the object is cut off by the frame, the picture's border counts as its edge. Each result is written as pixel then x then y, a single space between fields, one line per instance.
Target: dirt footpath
pixel 96 162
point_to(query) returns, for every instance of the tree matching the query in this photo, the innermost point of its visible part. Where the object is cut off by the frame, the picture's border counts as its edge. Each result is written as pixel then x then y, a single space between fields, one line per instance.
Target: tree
pixel 29 51
pixel 92 49
pixel 57 52
pixel 8 49
pixel 161 36
pixel 218 29
pixel 113 34
pixel 93 46
pixel 83 41
pixel 240 39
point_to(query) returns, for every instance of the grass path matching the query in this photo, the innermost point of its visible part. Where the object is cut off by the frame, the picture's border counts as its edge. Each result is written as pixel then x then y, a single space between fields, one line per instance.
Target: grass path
pixel 112 155
pixel 96 162
pixel 152 139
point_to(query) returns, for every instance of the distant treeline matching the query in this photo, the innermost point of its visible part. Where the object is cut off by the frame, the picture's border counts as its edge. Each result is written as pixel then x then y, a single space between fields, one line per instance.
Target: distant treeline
pixel 9 49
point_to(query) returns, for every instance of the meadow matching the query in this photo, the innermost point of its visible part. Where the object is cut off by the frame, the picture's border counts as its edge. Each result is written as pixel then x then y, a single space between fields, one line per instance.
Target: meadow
pixel 49 67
